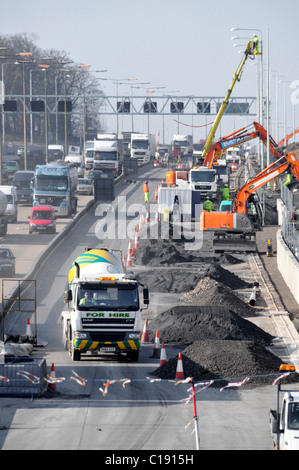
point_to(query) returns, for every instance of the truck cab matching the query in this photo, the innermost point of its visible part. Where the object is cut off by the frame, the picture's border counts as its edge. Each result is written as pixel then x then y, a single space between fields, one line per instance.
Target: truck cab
pixel 284 425
pixel 103 313
pixel 204 179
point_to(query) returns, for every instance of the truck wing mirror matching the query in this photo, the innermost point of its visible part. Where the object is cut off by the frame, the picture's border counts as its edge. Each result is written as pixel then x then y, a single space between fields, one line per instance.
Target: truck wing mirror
pixel 68 296
pixel 145 296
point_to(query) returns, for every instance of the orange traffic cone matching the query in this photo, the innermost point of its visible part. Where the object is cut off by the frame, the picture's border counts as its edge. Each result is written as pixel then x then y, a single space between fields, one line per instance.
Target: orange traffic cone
pixel 147 216
pixel 179 369
pixel 136 239
pixel 157 216
pixel 52 386
pixel 157 349
pixel 29 332
pixel 163 357
pixel 129 256
pixel 144 337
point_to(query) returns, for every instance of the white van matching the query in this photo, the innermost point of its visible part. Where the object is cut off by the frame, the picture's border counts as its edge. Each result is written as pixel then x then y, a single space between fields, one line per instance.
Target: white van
pixel 12 208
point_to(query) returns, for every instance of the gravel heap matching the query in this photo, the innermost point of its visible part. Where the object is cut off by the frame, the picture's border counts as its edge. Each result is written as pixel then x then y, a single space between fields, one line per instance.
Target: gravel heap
pixel 186 324
pixel 226 361
pixel 213 293
pixel 218 345
pixel 159 252
pixel 185 279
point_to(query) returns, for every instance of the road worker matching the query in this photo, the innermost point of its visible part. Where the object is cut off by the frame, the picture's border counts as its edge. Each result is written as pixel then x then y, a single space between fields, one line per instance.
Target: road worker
pixel 146 192
pixel 225 194
pixel 208 205
pixel 288 180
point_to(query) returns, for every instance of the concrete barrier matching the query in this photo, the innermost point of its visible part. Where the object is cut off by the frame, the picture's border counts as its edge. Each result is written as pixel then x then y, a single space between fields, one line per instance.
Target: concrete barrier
pixel 288 266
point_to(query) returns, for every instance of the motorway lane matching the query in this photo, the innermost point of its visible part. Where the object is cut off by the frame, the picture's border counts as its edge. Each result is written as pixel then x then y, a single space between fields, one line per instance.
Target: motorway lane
pixel 142 415
pixel 140 406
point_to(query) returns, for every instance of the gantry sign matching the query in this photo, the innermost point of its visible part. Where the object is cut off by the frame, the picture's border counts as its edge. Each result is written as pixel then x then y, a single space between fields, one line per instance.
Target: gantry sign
pixel 134 105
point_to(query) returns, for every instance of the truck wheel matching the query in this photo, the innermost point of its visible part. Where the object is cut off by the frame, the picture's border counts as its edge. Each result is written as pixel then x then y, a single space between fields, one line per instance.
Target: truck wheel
pixel 74 353
pixel 133 355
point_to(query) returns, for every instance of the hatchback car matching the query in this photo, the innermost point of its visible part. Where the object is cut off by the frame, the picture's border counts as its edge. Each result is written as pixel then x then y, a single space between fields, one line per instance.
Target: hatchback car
pixel 84 186
pixel 42 219
pixel 11 167
pixel 7 262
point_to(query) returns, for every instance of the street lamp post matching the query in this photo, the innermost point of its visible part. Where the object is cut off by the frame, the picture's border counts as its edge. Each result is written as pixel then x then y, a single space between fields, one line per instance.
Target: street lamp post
pixel 260 96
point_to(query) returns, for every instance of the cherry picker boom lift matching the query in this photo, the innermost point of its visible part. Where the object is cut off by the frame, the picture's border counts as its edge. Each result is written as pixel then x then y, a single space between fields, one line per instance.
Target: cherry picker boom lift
pixel 250 51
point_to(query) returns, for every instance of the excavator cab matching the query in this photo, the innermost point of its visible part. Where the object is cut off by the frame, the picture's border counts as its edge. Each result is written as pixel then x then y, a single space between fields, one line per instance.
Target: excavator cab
pixel 255 212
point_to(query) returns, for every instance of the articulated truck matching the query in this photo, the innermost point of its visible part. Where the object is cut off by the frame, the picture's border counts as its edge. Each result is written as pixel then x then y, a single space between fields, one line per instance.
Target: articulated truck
pixel 56 185
pixel 102 313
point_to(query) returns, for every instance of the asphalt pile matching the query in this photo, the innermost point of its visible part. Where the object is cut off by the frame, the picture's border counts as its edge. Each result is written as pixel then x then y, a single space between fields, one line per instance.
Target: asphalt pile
pixel 225 362
pixel 211 325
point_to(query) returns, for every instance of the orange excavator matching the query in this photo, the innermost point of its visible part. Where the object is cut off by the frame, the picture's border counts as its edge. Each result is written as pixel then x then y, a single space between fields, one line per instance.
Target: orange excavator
pixel 238 138
pixel 235 229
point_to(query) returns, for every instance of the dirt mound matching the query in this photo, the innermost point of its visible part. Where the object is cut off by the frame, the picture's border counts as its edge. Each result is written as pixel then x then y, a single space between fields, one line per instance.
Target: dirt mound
pixel 156 252
pixel 226 361
pixel 212 293
pixel 186 324
pixel 184 279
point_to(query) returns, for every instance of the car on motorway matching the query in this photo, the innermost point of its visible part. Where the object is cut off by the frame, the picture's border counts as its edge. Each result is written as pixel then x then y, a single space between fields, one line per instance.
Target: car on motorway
pixel 22 182
pixel 42 219
pixel 91 175
pixel 84 186
pixel 7 262
pixel 21 152
pixel 11 166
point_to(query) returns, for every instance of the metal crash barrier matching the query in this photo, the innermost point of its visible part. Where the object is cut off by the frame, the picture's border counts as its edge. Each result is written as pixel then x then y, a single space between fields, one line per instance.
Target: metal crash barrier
pixel 22 376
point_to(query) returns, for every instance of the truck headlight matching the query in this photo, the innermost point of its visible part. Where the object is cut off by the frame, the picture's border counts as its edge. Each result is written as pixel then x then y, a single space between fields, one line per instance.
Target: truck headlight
pixel 80 335
pixel 133 335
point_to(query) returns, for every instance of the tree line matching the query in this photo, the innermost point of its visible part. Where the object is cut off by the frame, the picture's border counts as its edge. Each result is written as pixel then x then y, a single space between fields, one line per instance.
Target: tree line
pixel 47 77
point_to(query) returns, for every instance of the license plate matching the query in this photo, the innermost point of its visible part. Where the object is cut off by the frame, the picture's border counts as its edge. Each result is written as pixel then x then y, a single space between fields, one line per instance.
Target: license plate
pixel 107 349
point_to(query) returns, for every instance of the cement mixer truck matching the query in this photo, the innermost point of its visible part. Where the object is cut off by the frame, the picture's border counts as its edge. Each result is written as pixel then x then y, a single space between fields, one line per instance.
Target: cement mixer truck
pixel 102 313
pixel 3 217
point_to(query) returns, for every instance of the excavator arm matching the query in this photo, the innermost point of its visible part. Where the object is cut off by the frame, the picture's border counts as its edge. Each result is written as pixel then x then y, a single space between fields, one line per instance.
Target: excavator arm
pixel 235 230
pixel 238 138
pixel 287 162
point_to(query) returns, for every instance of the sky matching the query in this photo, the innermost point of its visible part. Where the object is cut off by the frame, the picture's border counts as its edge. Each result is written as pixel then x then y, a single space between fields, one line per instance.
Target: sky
pixel 183 45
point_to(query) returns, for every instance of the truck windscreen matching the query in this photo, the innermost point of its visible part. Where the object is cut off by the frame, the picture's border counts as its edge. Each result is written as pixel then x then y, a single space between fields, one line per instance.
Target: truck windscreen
pixel 202 176
pixel 116 297
pixel 105 156
pixel 50 183
pixel 139 144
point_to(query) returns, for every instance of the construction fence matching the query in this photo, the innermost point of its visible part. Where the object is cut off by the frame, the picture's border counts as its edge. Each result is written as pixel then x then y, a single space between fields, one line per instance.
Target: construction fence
pixel 290 225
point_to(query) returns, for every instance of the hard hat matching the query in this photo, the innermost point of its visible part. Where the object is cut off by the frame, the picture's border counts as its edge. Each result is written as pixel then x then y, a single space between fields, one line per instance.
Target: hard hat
pixel 146 181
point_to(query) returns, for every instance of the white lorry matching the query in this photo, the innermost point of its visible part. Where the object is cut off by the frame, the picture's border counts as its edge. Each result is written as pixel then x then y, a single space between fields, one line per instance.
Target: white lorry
pixel 182 145
pixel 77 161
pixel 143 147
pixel 206 181
pixel 89 154
pixel 102 312
pixel 11 210
pixel 233 155
pixel 284 421
pixel 108 153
